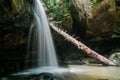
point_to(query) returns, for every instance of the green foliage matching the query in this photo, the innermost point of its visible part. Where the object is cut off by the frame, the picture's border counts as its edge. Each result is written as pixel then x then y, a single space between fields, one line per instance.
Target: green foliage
pixel 115 36
pixel 94 2
pixel 115 50
pixel 116 33
pixel 58 9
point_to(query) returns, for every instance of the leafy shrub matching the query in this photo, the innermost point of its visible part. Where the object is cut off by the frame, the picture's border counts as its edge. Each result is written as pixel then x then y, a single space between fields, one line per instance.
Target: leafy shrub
pixel 58 9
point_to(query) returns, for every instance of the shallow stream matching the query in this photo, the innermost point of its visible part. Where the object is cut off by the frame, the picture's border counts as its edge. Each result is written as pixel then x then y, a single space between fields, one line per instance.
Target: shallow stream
pixel 73 72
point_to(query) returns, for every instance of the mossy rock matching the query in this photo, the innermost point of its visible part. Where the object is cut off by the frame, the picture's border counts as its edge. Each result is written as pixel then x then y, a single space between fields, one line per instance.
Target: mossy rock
pixel 101 25
pixel 15 21
pixel 11 8
pixel 67 22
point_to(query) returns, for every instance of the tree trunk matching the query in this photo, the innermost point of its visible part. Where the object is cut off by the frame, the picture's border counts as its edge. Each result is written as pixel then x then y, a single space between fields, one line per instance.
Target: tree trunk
pixel 83 47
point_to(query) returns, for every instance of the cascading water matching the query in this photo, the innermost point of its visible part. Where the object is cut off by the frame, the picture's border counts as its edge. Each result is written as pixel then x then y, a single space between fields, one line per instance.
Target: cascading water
pixel 40 45
pixel 42 55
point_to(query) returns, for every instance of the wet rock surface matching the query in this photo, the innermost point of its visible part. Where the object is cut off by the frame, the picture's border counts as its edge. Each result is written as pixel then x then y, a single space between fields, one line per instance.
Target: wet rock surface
pixel 14 29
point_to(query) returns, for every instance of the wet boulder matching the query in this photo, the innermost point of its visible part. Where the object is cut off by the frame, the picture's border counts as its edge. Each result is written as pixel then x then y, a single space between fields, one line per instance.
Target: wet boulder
pixel 115 57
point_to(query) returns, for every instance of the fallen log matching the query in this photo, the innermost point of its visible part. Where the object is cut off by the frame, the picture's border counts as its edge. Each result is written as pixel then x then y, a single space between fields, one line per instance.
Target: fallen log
pixel 83 47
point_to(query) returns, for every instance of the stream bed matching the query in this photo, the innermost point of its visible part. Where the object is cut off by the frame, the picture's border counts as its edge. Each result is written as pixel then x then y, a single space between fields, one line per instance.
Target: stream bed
pixel 73 72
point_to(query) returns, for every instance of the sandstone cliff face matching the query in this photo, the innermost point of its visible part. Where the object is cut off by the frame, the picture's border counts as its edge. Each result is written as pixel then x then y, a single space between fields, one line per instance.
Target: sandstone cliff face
pixel 102 23
pixel 15 20
pixel 94 22
pixel 14 27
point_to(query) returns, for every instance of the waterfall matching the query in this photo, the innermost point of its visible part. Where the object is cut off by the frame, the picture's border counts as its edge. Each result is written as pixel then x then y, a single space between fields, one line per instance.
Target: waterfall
pixel 40 44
